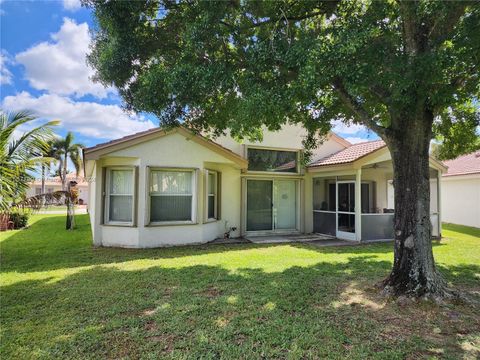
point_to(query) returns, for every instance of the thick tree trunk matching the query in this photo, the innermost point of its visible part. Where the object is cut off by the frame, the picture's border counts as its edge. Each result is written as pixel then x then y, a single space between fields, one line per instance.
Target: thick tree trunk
pixel 414 272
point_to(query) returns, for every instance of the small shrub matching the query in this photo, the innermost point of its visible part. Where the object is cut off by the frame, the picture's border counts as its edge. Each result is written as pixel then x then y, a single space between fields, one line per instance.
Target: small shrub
pixel 19 219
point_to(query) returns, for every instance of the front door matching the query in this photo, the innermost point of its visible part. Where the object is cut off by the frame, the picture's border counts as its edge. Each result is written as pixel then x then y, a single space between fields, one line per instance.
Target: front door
pixel 346 210
pixel 271 205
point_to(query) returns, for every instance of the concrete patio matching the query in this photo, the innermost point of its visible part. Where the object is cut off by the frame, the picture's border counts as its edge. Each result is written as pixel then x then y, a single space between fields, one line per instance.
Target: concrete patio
pixel 314 239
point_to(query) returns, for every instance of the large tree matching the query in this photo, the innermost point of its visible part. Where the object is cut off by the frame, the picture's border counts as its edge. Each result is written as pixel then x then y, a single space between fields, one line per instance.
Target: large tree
pixel 397 67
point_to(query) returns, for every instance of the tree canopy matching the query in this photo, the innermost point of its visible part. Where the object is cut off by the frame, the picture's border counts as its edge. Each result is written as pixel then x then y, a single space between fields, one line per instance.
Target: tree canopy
pixel 243 64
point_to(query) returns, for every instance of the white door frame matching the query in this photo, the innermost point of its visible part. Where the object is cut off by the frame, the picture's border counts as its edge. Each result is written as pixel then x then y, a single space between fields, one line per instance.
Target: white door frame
pixel 273 230
pixel 343 234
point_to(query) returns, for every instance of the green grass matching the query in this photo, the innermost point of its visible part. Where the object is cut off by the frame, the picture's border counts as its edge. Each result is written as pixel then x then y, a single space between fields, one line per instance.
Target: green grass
pixel 62 298
pixel 56 208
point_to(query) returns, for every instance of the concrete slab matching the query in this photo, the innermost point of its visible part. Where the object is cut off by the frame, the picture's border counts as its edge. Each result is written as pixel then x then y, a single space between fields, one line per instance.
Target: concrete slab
pixel 272 239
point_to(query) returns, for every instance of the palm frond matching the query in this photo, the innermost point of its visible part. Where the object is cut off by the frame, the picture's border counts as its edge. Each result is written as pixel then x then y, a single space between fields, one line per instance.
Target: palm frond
pixel 19 156
pixel 44 200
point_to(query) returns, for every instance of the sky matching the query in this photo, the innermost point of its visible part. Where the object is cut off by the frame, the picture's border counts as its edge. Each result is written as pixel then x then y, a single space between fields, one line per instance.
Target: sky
pixel 43 68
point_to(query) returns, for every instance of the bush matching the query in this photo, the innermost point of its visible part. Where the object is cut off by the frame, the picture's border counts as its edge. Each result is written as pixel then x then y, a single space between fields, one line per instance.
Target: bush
pixel 19 220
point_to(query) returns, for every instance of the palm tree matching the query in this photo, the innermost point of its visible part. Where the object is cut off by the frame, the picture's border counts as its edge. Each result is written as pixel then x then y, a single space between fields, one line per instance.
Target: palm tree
pixel 49 153
pixel 20 154
pixel 65 149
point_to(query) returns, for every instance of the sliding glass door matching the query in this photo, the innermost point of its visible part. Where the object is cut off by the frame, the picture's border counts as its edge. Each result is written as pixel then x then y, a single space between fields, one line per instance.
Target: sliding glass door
pixel 271 205
pixel 285 204
pixel 259 205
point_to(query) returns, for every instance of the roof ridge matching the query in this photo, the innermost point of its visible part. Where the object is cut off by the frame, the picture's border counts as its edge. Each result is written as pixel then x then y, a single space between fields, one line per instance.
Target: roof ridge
pixel 366 142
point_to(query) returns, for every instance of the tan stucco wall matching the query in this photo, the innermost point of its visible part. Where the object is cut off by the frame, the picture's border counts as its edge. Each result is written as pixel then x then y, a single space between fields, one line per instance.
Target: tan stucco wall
pixel 289 137
pixel 169 151
pixel 460 199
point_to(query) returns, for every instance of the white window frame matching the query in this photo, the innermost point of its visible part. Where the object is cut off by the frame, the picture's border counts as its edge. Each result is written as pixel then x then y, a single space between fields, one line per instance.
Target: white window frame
pixel 214 195
pixel 107 195
pixel 286 173
pixel 193 212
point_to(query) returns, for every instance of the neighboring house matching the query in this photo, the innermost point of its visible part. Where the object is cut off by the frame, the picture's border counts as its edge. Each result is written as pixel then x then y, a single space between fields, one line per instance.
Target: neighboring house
pixel 161 188
pixel 461 190
pixel 53 184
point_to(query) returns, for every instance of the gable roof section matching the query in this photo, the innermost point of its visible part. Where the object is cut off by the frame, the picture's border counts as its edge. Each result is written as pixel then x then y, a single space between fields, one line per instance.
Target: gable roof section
pixel 350 154
pixel 339 139
pixel 104 148
pixel 464 165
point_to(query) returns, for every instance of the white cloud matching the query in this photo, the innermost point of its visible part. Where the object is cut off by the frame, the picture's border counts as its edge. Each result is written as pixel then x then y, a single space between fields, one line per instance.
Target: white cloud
pixel 59 66
pixel 339 126
pixel 355 140
pixel 86 118
pixel 5 74
pixel 72 5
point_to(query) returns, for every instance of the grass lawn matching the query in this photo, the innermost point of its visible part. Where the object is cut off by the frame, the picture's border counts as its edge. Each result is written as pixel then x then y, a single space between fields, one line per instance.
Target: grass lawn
pixel 62 298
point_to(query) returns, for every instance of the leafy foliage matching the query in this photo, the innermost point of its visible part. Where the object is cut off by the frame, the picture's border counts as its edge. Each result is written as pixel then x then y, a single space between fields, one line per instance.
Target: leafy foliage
pixel 20 154
pixel 240 65
pixel 19 219
pixel 457 129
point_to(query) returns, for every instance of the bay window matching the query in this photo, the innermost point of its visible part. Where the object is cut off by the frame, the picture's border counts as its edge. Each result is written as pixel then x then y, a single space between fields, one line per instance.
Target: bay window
pixel 119 196
pixel 172 195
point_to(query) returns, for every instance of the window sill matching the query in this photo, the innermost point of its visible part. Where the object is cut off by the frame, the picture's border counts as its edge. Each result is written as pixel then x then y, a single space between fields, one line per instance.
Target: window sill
pixel 171 223
pixel 120 225
pixel 208 221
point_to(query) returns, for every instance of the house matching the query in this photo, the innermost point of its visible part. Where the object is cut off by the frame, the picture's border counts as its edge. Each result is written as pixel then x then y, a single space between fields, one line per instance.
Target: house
pixel 53 184
pixel 461 190
pixel 162 188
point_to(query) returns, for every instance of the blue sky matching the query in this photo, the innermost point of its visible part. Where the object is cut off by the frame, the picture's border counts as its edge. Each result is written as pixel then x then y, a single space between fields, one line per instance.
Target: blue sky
pixel 43 47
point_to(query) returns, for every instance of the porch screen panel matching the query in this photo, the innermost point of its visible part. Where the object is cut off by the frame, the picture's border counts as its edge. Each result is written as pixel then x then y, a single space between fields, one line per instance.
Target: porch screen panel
pixel 324 223
pixel 324 197
pixel 324 203
pixel 377 226
pixel 171 194
pixel 121 195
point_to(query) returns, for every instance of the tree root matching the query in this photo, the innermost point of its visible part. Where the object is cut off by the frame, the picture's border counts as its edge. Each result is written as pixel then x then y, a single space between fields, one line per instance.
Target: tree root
pixel 437 292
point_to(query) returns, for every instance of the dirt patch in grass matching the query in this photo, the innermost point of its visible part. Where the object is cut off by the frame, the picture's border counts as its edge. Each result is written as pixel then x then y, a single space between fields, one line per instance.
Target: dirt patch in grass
pixel 210 292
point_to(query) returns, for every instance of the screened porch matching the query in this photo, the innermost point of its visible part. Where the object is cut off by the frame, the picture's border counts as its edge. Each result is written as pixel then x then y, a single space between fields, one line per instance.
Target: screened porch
pixel 358 204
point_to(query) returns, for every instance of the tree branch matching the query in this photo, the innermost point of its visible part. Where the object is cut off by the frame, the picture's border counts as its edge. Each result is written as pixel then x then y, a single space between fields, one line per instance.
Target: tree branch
pixel 357 108
pixel 443 26
pixel 283 17
pixel 380 92
pixel 409 26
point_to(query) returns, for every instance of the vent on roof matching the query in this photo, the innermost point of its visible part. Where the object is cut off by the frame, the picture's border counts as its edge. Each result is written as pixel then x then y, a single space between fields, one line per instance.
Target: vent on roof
pixel 477 154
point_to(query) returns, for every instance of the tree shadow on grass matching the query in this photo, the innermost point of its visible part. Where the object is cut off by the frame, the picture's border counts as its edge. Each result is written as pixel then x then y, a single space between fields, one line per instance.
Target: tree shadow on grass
pixel 318 311
pixel 46 245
